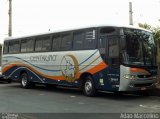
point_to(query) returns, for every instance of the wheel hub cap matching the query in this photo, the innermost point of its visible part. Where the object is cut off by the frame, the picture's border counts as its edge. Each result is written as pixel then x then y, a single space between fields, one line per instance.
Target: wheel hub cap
pixel 88 86
pixel 24 81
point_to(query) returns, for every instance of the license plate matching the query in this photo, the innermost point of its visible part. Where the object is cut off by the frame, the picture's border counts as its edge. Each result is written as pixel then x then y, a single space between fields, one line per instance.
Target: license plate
pixel 143 88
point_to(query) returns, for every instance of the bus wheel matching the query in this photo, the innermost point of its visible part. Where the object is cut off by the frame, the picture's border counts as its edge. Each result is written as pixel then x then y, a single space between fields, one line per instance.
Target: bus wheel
pixel 89 87
pixel 24 81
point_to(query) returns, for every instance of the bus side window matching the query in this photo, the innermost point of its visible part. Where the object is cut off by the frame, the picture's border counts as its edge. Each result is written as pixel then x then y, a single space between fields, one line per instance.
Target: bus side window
pixel 90 39
pixel 14 46
pixel 10 47
pixel 38 44
pixel 78 40
pixel 23 45
pixel 30 45
pixel 5 51
pixel 27 45
pixel 66 43
pixel 46 43
pixel 56 43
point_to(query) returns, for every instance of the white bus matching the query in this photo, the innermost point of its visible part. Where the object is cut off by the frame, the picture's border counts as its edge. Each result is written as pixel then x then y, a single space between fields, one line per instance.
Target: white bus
pixel 109 58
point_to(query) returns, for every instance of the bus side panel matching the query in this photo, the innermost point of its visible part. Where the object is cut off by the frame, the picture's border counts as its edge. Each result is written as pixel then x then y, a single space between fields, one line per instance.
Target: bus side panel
pixel 62 68
pixel 59 66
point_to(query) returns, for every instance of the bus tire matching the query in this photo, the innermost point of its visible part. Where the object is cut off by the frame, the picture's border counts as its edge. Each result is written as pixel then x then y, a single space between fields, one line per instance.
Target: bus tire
pixel 89 87
pixel 25 83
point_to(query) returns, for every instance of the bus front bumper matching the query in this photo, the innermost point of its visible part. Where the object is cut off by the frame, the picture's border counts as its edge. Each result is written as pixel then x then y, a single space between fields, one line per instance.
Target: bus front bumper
pixel 138 85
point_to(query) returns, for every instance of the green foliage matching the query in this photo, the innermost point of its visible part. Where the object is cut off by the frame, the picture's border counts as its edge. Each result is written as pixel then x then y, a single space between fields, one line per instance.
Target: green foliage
pixel 155 30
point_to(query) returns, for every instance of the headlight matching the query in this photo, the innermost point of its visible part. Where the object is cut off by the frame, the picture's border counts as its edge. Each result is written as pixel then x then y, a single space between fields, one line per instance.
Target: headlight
pixel 132 77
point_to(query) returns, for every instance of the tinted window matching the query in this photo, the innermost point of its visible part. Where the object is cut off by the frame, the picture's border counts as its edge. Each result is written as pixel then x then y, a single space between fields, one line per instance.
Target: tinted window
pixel 23 45
pixel 66 42
pixel 14 46
pixel 46 43
pixel 113 47
pixel 78 40
pixel 5 49
pixel 27 45
pixel 90 39
pixel 38 44
pixel 56 43
pixel 30 45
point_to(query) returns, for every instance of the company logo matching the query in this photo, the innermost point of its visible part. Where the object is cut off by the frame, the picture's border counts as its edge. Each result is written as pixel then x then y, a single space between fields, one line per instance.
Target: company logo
pixel 69 68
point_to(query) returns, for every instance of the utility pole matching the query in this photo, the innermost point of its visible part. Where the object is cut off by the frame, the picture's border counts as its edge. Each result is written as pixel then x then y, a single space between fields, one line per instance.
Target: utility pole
pixel 10 18
pixel 130 14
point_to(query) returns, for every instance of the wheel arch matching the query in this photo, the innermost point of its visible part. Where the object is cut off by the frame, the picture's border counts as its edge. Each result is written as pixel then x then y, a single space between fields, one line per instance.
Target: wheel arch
pixel 23 71
pixel 83 77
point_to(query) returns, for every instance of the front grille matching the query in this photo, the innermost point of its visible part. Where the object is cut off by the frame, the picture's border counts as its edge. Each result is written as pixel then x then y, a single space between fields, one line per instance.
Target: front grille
pixel 143 85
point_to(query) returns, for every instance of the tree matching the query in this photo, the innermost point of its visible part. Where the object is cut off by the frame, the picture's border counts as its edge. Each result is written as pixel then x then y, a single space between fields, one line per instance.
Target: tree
pixel 155 31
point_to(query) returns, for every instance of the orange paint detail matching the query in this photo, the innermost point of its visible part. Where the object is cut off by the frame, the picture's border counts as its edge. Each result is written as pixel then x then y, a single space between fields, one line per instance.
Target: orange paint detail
pixel 97 68
pixel 33 70
pixel 7 68
pixel 136 70
pixel 93 70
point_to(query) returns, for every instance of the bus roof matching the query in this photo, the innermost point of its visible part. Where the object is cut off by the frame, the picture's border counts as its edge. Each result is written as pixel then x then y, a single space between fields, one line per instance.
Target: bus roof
pixel 72 29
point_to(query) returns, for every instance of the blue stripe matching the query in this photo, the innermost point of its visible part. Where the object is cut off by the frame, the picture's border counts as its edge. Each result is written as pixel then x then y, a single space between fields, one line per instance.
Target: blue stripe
pixel 89 57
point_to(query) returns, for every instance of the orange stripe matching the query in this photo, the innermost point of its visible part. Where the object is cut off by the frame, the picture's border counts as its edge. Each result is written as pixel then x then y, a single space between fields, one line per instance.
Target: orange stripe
pixel 137 70
pixel 35 71
pixel 8 67
pixel 97 68
pixel 93 70
pixel 46 76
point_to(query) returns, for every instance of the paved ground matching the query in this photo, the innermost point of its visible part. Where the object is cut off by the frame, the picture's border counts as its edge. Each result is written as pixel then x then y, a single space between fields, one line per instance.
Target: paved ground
pixel 15 99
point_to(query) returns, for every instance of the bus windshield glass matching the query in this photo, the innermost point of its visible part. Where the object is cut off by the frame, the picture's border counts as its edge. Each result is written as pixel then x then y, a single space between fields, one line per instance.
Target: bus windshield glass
pixel 139 47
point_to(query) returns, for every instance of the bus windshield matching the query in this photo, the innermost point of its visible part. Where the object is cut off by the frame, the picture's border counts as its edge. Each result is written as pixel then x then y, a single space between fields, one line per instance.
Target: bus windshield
pixel 139 47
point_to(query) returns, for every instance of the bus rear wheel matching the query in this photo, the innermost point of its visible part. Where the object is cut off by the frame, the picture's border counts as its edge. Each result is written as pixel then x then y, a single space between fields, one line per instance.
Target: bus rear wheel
pixel 89 87
pixel 25 83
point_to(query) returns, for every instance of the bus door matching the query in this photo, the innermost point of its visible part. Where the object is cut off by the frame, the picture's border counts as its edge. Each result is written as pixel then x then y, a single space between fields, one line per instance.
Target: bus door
pixel 113 61
pixel 109 50
pixel 102 46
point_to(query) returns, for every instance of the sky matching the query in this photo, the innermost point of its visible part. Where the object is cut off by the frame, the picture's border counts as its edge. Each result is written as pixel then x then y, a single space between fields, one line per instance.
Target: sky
pixel 38 16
